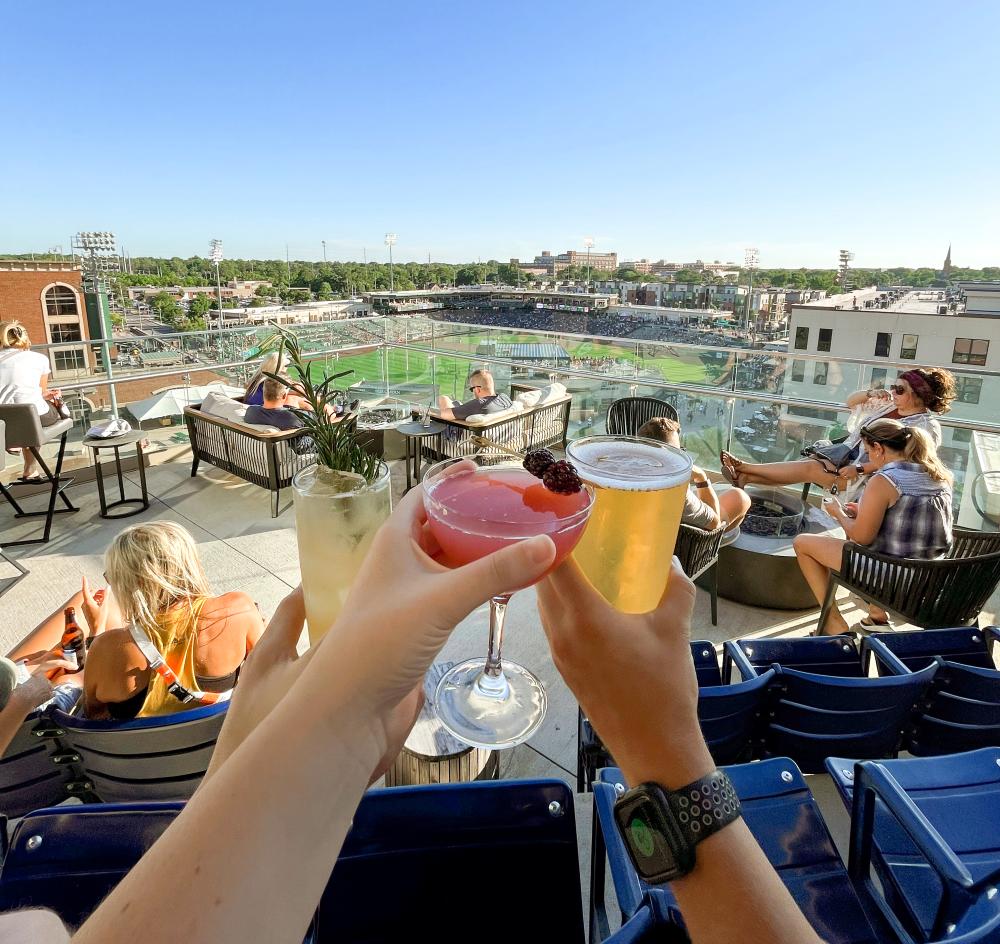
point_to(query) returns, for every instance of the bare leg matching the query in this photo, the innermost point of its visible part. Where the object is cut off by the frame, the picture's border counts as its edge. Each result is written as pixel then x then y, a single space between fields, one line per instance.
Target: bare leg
pixel 733 506
pixel 47 635
pixel 793 472
pixel 29 462
pixel 817 555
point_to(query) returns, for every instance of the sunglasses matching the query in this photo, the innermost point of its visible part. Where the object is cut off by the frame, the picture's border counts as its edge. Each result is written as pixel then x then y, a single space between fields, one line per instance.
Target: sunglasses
pixel 897 389
pixel 474 388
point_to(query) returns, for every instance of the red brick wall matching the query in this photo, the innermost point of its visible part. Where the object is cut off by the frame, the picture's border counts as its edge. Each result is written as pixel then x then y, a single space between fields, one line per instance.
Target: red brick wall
pixel 21 296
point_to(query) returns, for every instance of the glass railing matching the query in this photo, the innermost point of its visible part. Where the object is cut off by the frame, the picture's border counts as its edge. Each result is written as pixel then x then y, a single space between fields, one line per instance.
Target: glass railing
pixel 759 405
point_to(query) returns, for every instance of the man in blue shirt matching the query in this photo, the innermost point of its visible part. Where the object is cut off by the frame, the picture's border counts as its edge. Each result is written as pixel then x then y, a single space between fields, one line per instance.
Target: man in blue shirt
pixel 275 413
pixel 485 399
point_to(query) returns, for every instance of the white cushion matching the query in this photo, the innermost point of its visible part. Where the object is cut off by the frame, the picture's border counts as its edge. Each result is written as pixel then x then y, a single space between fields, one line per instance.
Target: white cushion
pixel 554 391
pixel 480 419
pixel 529 398
pixel 225 408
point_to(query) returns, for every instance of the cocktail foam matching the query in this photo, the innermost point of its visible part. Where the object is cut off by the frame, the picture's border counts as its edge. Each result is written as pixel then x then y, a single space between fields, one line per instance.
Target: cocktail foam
pixel 629 464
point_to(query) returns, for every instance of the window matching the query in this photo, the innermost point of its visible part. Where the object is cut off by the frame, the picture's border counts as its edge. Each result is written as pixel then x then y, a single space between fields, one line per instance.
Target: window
pixel 825 339
pixel 798 371
pixel 801 339
pixel 908 347
pixel 878 378
pixel 882 341
pixel 60 300
pixel 820 373
pixel 72 359
pixel 69 331
pixel 968 389
pixel 970 351
pixel 961 435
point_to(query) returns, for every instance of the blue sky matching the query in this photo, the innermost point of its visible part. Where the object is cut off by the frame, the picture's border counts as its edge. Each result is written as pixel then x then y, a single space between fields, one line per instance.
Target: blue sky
pixel 494 130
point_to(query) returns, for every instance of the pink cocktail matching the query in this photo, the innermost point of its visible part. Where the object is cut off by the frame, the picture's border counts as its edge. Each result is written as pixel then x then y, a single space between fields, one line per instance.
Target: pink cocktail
pixel 474 510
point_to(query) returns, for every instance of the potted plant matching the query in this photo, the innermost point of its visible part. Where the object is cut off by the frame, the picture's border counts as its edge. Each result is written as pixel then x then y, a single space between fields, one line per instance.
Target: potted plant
pixel 341 500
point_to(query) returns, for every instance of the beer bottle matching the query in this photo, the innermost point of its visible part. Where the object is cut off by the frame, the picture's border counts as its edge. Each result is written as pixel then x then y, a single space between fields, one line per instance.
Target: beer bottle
pixel 74 643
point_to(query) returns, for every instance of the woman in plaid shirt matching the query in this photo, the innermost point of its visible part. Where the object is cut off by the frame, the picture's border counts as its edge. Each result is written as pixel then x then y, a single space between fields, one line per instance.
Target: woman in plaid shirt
pixel 905 511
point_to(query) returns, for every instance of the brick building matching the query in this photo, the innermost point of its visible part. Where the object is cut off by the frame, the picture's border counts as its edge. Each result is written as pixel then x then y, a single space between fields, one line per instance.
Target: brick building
pixel 47 298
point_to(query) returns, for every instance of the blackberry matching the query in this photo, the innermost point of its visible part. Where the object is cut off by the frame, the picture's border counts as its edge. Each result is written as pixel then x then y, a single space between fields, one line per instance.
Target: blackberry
pixel 537 461
pixel 561 477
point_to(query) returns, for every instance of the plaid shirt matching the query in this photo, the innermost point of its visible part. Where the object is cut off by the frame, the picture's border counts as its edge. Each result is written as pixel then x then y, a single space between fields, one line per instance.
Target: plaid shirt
pixel 919 524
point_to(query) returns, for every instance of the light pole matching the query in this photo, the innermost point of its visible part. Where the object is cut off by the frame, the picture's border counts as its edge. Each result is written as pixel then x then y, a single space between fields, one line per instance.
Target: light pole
pixel 588 241
pixel 99 249
pixel 845 263
pixel 750 259
pixel 216 256
pixel 390 241
pixel 323 241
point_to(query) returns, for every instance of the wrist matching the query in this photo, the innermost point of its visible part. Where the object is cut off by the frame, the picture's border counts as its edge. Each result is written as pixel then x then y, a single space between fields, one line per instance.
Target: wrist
pixel 673 760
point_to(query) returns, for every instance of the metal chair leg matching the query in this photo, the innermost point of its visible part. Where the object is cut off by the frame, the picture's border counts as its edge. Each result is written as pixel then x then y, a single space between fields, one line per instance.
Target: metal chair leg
pixel 714 591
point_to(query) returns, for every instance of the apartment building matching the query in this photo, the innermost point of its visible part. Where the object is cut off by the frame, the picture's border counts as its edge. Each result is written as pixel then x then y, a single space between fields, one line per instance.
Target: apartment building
pixel 548 264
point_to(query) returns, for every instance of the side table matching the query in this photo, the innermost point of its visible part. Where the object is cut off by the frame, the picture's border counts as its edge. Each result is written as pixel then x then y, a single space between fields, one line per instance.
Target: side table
pixel 414 434
pixel 432 755
pixel 116 443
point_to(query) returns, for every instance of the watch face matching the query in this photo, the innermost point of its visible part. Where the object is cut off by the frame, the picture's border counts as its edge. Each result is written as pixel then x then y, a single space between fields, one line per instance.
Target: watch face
pixel 656 845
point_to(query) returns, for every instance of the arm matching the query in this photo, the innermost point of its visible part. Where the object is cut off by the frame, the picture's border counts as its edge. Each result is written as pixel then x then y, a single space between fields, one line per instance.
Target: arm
pixel 444 407
pixel 635 680
pixel 331 728
pixel 25 698
pixel 879 495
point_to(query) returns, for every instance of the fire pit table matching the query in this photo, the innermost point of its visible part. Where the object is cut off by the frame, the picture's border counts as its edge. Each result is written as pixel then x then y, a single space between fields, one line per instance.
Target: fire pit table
pixel 759 568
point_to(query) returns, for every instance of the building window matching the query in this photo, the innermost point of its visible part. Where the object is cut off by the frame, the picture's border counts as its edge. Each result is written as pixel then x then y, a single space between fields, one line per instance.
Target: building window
pixel 961 435
pixel 882 342
pixel 878 378
pixel 968 389
pixel 798 371
pixel 825 339
pixel 908 347
pixel 801 339
pixel 72 360
pixel 68 331
pixel 970 351
pixel 61 300
pixel 820 373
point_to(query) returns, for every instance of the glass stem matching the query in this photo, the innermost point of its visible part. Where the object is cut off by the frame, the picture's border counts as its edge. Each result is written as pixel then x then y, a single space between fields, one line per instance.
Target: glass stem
pixel 492 680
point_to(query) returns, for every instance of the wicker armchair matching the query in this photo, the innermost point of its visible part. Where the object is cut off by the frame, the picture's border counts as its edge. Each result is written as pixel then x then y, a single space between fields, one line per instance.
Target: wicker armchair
pixel 629 413
pixel 931 594
pixel 698 552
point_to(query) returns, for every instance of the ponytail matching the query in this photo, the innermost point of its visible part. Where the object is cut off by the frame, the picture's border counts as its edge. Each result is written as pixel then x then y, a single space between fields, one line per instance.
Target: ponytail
pixel 920 448
pixel 13 334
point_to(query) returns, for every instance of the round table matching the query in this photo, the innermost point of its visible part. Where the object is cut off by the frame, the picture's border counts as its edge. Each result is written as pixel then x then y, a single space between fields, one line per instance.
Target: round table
pixel 414 434
pixel 117 443
pixel 431 754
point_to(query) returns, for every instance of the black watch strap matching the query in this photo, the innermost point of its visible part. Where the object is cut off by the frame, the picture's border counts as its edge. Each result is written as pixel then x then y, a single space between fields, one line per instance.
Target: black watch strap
pixel 705 806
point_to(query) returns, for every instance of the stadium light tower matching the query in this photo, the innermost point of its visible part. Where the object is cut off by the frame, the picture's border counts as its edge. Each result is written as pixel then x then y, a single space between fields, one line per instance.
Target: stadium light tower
pixel 390 241
pixel 751 257
pixel 215 254
pixel 845 263
pixel 98 251
pixel 588 241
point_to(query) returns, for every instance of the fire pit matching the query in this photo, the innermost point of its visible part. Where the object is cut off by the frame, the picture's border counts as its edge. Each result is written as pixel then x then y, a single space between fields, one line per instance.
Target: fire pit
pixel 773 513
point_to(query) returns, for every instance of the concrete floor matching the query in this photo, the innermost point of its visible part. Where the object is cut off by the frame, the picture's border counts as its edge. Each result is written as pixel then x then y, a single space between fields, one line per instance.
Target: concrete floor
pixel 243 548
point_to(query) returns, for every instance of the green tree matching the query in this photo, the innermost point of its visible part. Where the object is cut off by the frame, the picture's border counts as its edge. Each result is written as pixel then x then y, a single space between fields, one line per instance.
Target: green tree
pixel 200 305
pixel 167 309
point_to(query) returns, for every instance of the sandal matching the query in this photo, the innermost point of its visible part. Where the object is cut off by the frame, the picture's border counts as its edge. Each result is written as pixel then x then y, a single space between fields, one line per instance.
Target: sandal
pixel 730 468
pixel 30 480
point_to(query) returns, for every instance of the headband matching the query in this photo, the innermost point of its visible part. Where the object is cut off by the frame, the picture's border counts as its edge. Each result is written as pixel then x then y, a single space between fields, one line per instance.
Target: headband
pixel 917 383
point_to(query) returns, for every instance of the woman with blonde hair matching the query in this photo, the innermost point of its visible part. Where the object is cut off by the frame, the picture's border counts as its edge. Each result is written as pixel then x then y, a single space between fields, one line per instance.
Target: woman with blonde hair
pixel 159 591
pixel 272 364
pixel 24 378
pixel 905 511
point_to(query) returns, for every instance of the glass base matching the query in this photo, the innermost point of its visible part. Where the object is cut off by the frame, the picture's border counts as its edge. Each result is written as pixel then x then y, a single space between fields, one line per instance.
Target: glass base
pixel 490 713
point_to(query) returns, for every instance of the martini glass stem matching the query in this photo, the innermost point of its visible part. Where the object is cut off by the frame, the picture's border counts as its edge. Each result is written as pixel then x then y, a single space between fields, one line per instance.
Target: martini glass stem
pixel 492 681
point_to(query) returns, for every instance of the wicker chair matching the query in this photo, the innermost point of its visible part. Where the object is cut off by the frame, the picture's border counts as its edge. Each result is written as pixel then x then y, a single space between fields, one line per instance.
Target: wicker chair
pixel 19 572
pixel 698 552
pixel 931 594
pixel 629 413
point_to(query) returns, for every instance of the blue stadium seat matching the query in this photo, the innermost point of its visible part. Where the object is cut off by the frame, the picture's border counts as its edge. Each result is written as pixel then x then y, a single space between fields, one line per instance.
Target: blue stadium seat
pixel 781 813
pixel 829 705
pixel 730 717
pixel 34 770
pixel 162 758
pixel 965 645
pixel 930 829
pixel 505 852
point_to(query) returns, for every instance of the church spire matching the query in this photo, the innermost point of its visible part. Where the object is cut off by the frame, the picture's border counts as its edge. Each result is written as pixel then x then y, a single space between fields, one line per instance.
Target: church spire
pixel 947 262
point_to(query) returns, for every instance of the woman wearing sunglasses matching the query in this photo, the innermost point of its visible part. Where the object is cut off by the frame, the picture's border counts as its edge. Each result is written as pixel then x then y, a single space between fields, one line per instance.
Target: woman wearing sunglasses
pixel 905 511
pixel 915 400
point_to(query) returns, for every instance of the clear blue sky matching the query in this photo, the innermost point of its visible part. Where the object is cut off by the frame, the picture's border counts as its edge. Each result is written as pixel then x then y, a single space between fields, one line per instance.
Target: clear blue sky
pixel 494 130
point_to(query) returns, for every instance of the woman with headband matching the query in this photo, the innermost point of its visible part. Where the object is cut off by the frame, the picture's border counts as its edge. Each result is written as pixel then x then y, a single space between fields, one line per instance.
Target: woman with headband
pixel 914 400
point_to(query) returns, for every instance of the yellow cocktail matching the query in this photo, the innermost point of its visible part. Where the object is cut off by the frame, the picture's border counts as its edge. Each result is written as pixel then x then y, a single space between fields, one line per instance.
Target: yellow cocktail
pixel 627 546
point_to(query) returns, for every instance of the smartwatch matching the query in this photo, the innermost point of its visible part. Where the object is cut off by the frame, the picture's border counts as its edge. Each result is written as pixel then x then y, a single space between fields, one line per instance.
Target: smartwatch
pixel 860 469
pixel 661 828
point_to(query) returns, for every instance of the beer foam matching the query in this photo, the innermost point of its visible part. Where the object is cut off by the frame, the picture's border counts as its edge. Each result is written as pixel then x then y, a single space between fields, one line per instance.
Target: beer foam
pixel 629 464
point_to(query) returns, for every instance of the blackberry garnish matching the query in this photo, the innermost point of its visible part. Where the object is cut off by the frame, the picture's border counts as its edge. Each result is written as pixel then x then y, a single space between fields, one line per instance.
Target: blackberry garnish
pixel 537 461
pixel 561 477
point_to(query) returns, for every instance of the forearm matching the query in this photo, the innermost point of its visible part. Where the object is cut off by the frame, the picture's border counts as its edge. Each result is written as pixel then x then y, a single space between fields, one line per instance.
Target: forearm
pixel 11 718
pixel 857 398
pixel 285 798
pixel 759 908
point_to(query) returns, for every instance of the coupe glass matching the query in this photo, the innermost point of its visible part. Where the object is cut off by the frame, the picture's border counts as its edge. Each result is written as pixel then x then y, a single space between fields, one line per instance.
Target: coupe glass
pixel 476 505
